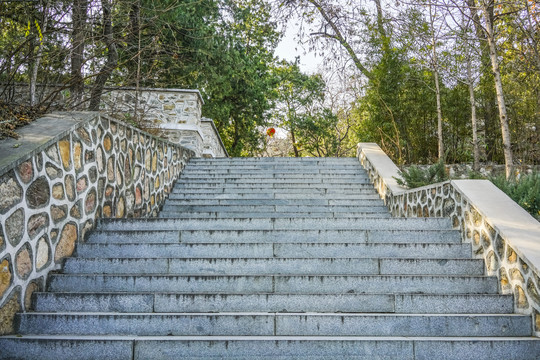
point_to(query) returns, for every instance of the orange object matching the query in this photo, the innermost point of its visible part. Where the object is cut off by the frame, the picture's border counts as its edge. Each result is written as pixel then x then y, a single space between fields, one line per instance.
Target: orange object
pixel 271 132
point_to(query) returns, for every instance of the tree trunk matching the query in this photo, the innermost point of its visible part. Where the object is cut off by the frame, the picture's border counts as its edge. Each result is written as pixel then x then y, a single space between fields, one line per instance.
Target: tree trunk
pixel 476 151
pixel 503 117
pixel 437 85
pixel 489 106
pixel 380 22
pixel 78 15
pixel 295 149
pixel 37 62
pixel 112 58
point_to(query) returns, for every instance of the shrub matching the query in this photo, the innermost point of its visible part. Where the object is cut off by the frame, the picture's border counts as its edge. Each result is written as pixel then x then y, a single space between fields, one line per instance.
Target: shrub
pixel 414 176
pixel 525 191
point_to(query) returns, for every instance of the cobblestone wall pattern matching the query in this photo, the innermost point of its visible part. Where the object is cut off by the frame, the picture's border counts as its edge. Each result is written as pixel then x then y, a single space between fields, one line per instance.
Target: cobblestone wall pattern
pixel 514 274
pixel 47 203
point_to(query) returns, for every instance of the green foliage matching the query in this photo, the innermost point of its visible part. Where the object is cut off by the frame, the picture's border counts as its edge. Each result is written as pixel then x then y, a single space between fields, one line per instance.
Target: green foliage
pixel 414 176
pixel 224 48
pixel 475 175
pixel 525 191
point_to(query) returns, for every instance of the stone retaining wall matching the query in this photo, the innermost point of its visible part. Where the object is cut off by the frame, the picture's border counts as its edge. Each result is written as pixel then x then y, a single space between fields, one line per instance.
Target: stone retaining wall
pixel 500 231
pixel 51 196
pixel 175 113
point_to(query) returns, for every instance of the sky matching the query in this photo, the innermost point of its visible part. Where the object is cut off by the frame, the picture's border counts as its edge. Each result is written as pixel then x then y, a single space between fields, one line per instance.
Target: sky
pixel 289 48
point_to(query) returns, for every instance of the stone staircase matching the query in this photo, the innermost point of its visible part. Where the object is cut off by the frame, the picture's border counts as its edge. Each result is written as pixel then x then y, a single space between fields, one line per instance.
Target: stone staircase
pixel 275 259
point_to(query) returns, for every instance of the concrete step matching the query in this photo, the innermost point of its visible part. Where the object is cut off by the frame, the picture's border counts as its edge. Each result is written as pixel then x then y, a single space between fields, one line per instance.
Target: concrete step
pixel 292 190
pixel 277 236
pixel 277 224
pixel 283 176
pixel 279 250
pixel 277 202
pixel 280 324
pixel 274 347
pixel 267 160
pixel 273 208
pixel 259 190
pixel 224 169
pixel 371 195
pixel 327 303
pixel 271 266
pixel 273 214
pixel 277 172
pixel 277 181
pixel 280 284
pixel 262 161
pixel 180 187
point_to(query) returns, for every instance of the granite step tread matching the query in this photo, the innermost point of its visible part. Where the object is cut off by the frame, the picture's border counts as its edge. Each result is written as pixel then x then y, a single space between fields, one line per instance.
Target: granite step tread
pixel 277 224
pixel 292 190
pixel 276 195
pixel 274 324
pixel 198 181
pixel 222 266
pixel 276 202
pixel 264 347
pixel 282 284
pixel 274 208
pixel 275 236
pixel 364 303
pixel 278 250
pixel 170 214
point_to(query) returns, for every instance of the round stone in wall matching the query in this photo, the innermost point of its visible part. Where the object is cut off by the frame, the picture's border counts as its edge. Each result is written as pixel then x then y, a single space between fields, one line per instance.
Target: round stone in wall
pixel 53 172
pixel 69 182
pixel 36 223
pixel 66 244
pixel 58 213
pixel 154 163
pixel 110 169
pixel 120 208
pixel 65 153
pixel 26 171
pixel 107 210
pixel 14 227
pixel 119 177
pixel 92 174
pixel 138 195
pixel 84 135
pixel 533 292
pixel 58 191
pixel 23 261
pixel 107 143
pixel 100 159
pixel 5 276
pixel 515 274
pixel 520 298
pixel 76 210
pixel 82 184
pixel 42 253
pixel 38 193
pixel 90 202
pixel 127 170
pixel 52 153
pixel 10 192
pixel 148 160
pixel 89 156
pixel 30 289
pixel 77 155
